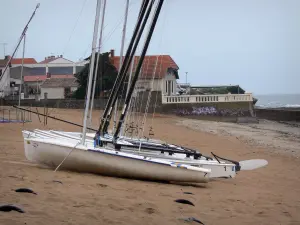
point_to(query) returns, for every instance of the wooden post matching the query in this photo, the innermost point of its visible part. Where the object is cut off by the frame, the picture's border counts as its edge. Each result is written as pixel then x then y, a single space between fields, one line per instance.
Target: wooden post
pixel 47 115
pixel 44 116
pixel 30 113
pixel 38 114
pixel 22 114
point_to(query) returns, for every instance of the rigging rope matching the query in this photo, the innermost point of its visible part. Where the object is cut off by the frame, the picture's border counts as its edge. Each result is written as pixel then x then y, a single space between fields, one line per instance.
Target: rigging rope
pixel 152 85
pixel 156 97
pixel 82 7
pixel 148 100
pixel 111 32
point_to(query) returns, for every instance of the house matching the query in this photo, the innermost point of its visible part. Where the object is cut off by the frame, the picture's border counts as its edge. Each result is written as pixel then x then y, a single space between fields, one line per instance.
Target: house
pixel 4 81
pixel 159 69
pixel 58 88
pixel 35 73
pixel 11 81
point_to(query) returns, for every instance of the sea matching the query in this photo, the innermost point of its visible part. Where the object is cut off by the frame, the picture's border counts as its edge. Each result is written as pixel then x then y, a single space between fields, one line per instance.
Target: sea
pixel 278 101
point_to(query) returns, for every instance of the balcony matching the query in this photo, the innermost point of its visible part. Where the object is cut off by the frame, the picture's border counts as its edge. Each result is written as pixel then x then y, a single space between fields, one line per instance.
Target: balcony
pixel 207 98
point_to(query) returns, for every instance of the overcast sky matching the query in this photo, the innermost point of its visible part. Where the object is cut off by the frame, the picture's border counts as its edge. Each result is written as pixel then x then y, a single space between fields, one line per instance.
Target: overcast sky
pixel 254 43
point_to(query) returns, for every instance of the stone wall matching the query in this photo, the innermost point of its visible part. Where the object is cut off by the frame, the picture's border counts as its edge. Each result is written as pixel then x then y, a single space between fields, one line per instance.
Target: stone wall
pixel 57 103
pixel 213 111
pixel 282 114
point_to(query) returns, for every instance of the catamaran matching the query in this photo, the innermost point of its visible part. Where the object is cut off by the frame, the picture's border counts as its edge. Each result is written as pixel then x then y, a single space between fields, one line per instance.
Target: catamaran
pixel 84 156
pixel 120 156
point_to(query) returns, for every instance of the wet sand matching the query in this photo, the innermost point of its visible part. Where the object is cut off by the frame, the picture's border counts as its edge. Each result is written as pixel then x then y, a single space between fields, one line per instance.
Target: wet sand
pixel 266 196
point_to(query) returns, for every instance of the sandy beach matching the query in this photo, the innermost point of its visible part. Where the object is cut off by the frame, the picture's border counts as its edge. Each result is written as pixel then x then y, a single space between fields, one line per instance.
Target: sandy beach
pixel 268 195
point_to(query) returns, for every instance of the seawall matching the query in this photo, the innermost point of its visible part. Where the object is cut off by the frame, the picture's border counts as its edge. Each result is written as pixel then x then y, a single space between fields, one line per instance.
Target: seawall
pixel 278 114
pixel 226 112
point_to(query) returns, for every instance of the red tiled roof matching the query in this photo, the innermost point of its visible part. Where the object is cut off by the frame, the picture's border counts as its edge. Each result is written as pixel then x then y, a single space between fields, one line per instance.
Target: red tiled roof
pixel 149 64
pixel 35 78
pixel 26 61
pixel 44 77
pixel 60 82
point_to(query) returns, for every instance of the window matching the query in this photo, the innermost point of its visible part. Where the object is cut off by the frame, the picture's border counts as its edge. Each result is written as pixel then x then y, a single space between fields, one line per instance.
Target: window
pixel 166 86
pixel 60 70
pixel 67 91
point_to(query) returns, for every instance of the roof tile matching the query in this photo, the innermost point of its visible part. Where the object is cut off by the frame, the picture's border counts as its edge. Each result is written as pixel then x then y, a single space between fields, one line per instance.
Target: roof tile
pixel 26 61
pixel 59 82
pixel 44 77
pixel 149 65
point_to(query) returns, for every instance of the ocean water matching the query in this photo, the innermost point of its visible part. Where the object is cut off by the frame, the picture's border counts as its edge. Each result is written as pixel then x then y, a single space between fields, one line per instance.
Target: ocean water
pixel 278 101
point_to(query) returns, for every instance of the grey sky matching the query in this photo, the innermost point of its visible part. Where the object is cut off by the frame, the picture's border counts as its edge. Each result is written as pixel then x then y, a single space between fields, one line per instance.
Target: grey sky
pixel 254 43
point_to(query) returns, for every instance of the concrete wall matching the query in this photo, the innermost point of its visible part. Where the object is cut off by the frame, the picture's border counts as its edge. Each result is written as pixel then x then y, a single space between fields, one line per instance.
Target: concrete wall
pixel 283 114
pixel 218 111
pixel 57 103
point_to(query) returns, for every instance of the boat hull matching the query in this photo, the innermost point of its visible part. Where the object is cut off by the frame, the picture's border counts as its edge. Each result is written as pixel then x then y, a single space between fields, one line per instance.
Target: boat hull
pixel 105 163
pixel 218 170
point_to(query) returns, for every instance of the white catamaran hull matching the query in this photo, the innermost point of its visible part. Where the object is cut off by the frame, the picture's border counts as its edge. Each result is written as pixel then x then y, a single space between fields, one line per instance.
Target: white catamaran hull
pixel 217 169
pixel 107 162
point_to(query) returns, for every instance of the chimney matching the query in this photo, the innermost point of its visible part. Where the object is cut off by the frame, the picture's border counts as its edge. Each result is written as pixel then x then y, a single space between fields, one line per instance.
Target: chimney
pixel 112 56
pixel 112 53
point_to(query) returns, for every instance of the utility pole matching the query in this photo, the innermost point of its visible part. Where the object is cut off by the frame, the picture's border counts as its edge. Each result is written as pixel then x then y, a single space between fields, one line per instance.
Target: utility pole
pixel 4 44
pixel 186 73
pixel 22 68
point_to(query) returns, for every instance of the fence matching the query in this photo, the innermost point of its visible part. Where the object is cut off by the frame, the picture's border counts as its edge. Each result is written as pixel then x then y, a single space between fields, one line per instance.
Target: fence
pixel 13 115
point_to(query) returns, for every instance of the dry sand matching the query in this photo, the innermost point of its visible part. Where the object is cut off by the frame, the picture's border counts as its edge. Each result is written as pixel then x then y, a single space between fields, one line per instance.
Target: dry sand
pixel 266 196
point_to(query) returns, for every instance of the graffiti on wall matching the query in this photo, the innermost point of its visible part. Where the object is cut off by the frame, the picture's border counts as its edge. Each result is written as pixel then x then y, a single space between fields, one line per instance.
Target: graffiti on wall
pixel 210 111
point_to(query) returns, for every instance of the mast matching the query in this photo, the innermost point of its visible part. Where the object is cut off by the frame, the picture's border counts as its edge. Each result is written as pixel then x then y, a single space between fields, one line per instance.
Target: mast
pixel 135 78
pixel 21 37
pixel 92 64
pixel 97 63
pixel 120 74
pixel 121 54
pixel 106 124
pixel 22 68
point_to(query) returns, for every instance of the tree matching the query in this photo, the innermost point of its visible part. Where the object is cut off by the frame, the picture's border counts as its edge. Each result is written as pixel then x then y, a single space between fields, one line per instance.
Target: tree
pixel 106 76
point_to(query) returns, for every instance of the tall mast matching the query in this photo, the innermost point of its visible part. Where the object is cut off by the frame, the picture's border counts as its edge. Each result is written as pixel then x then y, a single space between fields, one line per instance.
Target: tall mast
pixel 22 68
pixel 92 64
pixel 124 72
pixel 135 78
pixel 121 54
pixel 111 100
pixel 97 63
pixel 21 37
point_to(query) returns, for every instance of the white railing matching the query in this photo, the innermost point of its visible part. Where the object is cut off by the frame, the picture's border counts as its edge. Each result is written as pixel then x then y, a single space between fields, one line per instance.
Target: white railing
pixel 207 98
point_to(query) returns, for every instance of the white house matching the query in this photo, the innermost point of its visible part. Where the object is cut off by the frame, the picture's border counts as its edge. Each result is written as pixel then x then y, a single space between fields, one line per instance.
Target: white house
pixel 58 88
